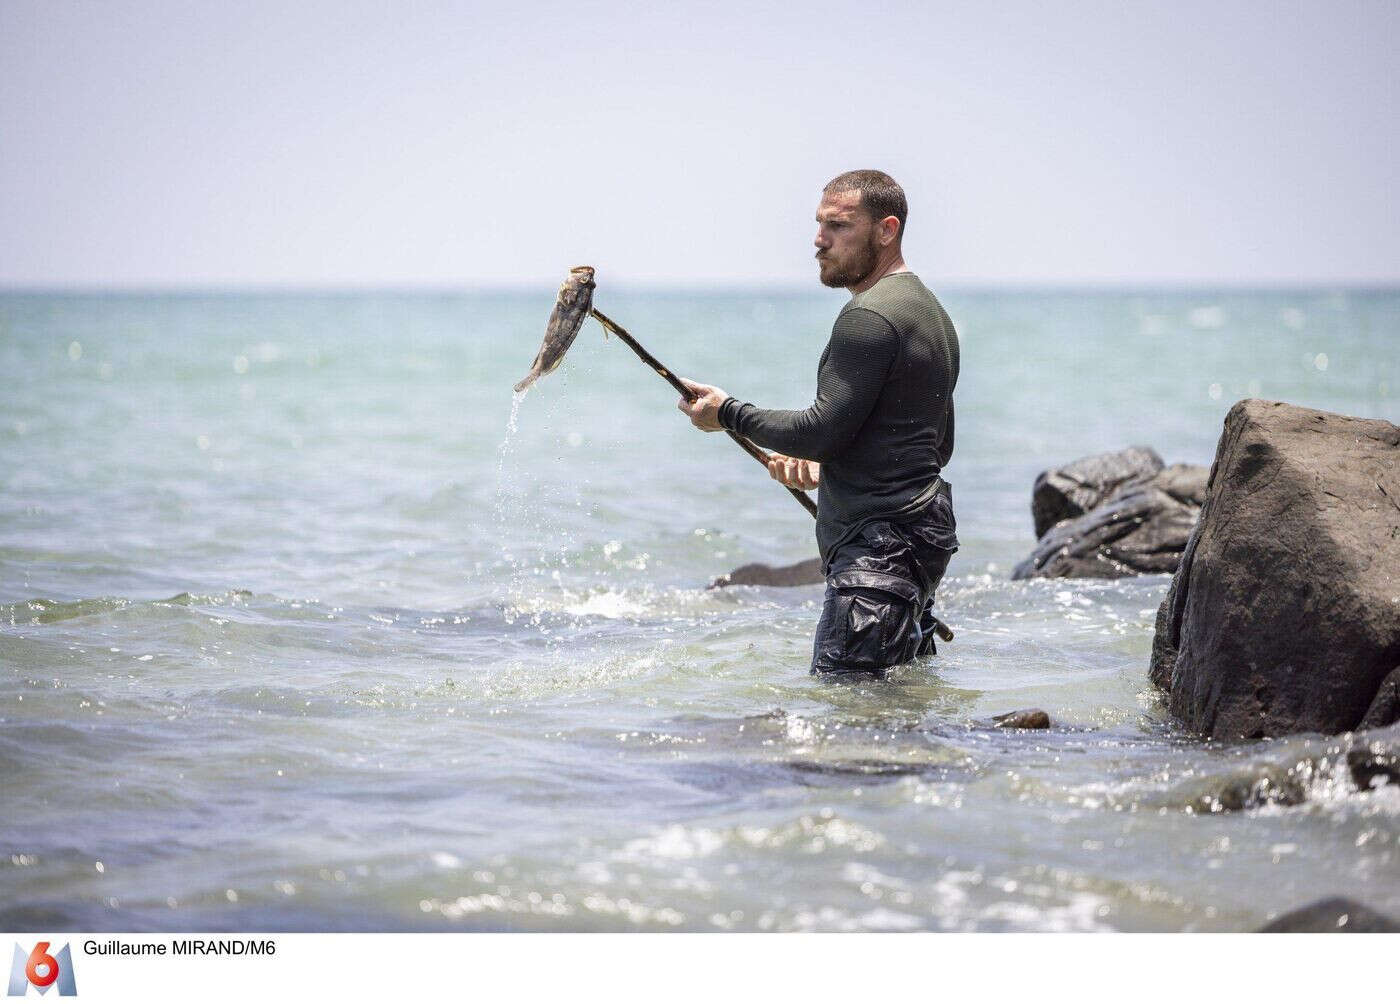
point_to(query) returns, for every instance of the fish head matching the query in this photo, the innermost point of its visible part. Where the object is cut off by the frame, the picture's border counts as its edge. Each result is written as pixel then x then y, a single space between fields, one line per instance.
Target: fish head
pixel 580 280
pixel 577 291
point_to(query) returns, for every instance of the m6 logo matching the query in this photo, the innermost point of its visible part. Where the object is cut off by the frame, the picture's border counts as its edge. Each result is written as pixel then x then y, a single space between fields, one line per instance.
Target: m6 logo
pixel 42 970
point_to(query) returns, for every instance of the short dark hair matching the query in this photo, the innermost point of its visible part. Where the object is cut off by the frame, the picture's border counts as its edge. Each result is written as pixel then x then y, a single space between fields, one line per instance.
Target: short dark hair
pixel 880 195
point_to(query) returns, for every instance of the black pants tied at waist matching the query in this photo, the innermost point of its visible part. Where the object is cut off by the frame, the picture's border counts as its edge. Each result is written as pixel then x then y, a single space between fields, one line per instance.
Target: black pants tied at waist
pixel 878 610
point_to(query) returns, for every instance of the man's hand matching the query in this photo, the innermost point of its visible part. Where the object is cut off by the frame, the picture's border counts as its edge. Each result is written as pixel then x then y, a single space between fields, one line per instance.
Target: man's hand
pixel 793 472
pixel 704 410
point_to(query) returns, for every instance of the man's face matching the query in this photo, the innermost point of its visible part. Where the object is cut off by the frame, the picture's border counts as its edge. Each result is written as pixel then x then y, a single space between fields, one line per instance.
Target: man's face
pixel 847 240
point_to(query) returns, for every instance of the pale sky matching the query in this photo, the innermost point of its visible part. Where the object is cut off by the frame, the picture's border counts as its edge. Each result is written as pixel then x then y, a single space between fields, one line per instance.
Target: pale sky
pixel 468 144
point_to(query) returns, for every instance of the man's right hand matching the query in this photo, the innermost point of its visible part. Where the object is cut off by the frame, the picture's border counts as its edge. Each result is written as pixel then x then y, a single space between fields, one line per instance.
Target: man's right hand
pixel 704 410
pixel 794 473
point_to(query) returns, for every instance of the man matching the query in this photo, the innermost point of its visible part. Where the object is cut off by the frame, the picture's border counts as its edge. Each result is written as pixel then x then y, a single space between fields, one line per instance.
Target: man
pixel 874 441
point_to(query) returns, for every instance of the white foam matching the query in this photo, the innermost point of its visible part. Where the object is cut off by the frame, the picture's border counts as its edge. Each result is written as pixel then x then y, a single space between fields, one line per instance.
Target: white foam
pixel 675 842
pixel 608 604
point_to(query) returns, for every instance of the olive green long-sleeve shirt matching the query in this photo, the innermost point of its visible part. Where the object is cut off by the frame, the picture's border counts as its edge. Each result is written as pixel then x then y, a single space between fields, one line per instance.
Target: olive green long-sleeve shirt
pixel 882 422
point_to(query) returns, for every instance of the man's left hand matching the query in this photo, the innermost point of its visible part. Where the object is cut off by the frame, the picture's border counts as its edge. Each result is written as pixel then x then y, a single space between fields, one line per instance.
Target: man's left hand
pixel 794 472
pixel 704 410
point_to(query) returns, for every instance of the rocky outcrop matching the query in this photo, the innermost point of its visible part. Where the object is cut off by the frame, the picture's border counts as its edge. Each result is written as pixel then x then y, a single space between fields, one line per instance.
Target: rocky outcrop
pixel 1071 491
pixel 1284 615
pixel 1113 515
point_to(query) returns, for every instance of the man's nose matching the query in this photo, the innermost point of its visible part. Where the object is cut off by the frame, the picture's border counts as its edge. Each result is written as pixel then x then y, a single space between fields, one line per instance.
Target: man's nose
pixel 820 240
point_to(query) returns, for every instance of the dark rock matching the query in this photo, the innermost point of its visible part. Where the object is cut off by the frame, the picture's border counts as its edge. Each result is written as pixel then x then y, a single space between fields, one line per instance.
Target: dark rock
pixel 1367 768
pixel 1283 615
pixel 1385 706
pixel 1331 916
pixel 1186 483
pixel 804 573
pixel 1030 718
pixel 1290 772
pixel 1249 789
pixel 1141 531
pixel 1368 759
pixel 1129 515
pixel 1374 758
pixel 1067 492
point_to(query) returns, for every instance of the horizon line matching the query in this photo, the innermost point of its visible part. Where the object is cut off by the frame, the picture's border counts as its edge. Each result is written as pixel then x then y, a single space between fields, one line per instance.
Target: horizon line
pixel 782 287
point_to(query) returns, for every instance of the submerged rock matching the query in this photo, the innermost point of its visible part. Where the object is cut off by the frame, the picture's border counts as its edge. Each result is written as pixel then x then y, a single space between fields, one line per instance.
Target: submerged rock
pixel 1370 770
pixel 1331 916
pixel 1030 718
pixel 1113 515
pixel 1293 772
pixel 869 771
pixel 804 573
pixel 1284 615
pixel 1252 788
pixel 1374 758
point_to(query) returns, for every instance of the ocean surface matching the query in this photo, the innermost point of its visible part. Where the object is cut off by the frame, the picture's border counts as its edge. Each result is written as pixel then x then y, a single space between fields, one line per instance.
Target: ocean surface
pixel 307 624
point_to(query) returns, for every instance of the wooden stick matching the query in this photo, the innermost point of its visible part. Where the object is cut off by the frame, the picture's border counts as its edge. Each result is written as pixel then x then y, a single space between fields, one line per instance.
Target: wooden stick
pixel 748 446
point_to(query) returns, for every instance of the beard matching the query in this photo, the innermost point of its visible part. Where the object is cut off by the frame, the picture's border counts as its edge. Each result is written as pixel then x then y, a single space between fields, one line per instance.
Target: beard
pixel 852 271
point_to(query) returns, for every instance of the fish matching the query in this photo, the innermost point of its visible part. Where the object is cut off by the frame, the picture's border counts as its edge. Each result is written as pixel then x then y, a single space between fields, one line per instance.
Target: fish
pixel 571 309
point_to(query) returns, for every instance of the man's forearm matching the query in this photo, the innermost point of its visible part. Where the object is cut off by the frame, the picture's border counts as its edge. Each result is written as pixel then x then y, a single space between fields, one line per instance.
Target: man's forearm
pixel 794 433
pixel 863 347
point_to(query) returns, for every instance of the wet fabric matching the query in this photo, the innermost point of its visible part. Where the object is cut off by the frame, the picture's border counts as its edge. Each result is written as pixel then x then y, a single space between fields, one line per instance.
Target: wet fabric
pixel 880 584
pixel 882 421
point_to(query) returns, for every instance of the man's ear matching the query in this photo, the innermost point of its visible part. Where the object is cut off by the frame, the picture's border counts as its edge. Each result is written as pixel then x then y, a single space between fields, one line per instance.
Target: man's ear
pixel 889 230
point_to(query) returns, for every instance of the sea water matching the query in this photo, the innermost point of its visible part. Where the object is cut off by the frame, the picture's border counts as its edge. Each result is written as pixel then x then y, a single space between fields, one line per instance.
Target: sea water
pixel 306 623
